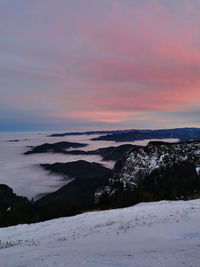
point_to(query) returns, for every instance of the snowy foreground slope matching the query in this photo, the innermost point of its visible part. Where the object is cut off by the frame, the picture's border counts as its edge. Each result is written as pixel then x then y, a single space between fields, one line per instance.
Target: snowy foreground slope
pixel 149 234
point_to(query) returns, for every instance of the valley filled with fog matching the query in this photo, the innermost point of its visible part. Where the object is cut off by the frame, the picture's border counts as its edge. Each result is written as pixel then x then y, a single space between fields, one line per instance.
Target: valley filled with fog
pixel 24 174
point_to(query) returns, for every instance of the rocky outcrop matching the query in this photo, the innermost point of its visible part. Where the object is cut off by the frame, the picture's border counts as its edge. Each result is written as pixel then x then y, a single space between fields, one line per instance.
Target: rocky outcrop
pixel 139 164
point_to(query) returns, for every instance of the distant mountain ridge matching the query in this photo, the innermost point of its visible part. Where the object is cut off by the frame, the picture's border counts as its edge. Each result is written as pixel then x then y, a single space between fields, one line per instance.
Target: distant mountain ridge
pixel 92 132
pixel 59 147
pixel 183 134
pixel 107 153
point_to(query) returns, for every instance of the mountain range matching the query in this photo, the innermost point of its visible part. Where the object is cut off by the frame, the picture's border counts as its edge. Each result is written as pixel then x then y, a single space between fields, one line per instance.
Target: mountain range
pixel 155 172
pixel 183 134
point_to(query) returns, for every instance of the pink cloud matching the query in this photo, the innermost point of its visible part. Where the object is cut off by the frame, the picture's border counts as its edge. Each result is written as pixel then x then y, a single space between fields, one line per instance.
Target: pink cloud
pixel 146 59
pixel 106 61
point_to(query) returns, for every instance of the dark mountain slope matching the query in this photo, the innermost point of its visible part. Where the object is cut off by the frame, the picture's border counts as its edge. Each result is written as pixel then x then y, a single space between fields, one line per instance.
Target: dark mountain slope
pixel 78 195
pixel 13 209
pixel 78 169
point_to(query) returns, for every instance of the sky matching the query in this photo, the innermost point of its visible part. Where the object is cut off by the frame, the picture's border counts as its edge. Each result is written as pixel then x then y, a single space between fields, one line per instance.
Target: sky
pixel 90 64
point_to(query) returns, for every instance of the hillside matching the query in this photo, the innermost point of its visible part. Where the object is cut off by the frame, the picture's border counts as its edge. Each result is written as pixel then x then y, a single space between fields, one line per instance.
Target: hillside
pixel 78 195
pixel 149 234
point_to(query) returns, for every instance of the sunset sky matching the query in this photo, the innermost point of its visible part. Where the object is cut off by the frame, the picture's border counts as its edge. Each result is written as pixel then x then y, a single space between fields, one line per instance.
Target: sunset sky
pixel 99 64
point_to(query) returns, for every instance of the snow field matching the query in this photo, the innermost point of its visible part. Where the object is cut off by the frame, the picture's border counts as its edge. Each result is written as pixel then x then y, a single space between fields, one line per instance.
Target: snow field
pixel 165 233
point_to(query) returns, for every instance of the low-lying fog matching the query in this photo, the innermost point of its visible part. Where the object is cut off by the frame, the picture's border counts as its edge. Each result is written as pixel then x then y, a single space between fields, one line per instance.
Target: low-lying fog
pixel 23 172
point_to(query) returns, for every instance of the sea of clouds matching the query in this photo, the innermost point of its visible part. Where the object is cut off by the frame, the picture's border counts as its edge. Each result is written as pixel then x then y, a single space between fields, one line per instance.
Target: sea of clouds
pixel 24 174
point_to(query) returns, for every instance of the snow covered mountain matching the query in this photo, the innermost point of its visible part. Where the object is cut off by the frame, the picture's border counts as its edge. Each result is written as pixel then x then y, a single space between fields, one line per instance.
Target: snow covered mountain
pixel 148 234
pixel 140 163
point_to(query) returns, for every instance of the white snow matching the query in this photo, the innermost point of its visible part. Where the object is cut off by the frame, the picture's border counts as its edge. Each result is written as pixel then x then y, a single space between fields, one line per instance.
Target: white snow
pixel 149 234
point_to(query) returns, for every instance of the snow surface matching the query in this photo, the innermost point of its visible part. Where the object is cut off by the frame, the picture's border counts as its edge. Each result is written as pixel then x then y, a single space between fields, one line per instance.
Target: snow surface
pixel 165 233
pixel 198 170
